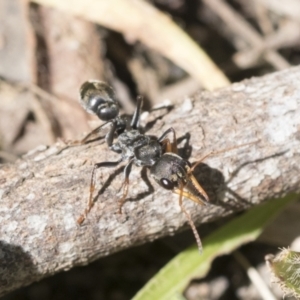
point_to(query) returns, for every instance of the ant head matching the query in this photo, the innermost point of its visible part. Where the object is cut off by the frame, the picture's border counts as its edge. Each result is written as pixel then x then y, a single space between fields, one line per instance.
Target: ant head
pixel 171 171
pixel 98 97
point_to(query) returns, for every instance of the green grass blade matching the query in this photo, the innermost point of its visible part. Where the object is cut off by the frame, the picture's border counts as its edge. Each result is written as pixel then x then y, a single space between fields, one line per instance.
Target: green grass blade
pixel 172 279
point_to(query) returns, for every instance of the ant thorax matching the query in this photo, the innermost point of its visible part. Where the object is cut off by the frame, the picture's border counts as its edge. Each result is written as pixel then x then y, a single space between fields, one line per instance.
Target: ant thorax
pixel 145 150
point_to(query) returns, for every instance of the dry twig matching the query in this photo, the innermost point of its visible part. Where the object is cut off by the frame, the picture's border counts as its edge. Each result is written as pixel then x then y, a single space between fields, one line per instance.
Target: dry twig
pixel 42 196
pixel 240 28
pixel 134 19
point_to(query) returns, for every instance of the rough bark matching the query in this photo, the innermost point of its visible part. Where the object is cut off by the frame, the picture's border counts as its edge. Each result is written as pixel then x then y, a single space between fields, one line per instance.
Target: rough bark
pixel 43 194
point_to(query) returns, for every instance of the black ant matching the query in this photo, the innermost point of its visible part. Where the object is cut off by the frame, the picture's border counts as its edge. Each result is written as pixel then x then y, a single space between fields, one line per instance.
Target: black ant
pixel 159 154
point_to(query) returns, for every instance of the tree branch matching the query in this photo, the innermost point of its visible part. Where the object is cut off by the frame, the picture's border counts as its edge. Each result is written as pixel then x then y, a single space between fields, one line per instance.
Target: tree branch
pixel 43 194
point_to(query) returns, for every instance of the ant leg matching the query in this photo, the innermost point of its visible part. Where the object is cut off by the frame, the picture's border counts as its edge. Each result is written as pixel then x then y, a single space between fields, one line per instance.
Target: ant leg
pixel 170 146
pixel 167 145
pixel 127 171
pixel 109 138
pixel 90 204
pixel 189 218
pixel 86 139
pixel 145 178
pixel 137 113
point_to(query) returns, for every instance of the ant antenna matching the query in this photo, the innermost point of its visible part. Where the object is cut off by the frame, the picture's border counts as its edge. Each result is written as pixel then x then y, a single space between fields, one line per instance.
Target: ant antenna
pixel 212 153
pixel 192 224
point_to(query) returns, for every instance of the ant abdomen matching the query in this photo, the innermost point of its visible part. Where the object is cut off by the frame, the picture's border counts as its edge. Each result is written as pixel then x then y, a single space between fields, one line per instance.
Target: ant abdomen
pixel 98 98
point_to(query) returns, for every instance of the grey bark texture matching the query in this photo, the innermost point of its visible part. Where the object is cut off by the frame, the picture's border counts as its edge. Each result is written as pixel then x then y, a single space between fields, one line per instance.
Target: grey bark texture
pixel 42 195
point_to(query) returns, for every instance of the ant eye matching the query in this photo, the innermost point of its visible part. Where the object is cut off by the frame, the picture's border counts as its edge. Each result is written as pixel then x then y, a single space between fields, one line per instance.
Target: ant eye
pixel 167 184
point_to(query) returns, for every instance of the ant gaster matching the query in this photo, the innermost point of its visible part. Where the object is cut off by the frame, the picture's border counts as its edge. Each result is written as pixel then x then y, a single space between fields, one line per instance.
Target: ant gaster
pixel 159 154
pixel 98 98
